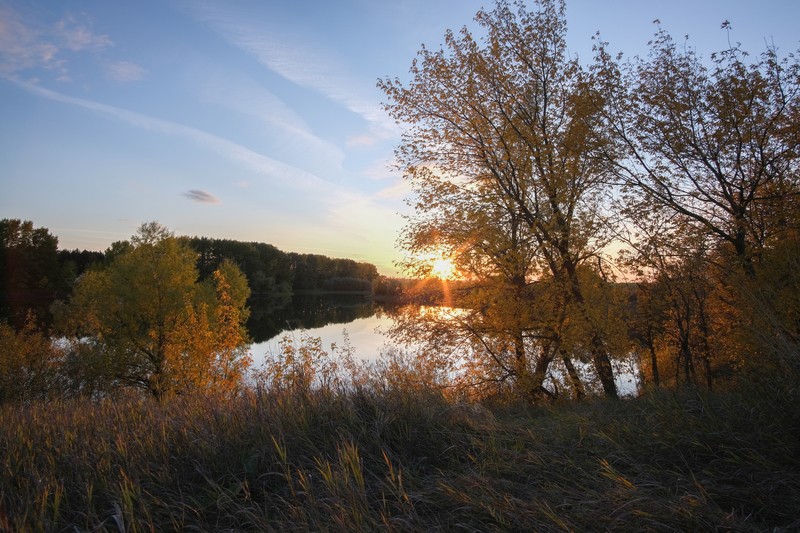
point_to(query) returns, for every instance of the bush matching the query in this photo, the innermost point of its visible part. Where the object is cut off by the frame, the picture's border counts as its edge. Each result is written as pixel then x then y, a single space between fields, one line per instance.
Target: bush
pixel 29 364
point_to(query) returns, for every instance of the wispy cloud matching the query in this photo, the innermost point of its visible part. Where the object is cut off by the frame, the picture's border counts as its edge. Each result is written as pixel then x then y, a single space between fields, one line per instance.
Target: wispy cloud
pixel 243 95
pixel 201 197
pixel 381 169
pixel 124 71
pixel 360 140
pixel 249 159
pixel 77 35
pixel 22 45
pixel 294 57
pixel 28 43
pixel 398 190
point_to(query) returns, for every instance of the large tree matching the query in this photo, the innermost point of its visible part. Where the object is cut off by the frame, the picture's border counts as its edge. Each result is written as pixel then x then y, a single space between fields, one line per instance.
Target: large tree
pixel 508 117
pixel 717 142
pixel 149 324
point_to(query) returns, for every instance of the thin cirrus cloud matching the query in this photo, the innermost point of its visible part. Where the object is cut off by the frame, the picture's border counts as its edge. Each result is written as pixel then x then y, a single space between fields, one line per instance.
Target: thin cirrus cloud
pixel 293 59
pixel 76 35
pixel 201 197
pixel 253 161
pixel 23 46
pixel 243 95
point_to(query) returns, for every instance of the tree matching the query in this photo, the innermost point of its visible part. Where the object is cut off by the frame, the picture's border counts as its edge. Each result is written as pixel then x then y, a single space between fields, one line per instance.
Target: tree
pixel 31 276
pixel 716 144
pixel 510 121
pixel 773 333
pixel 266 267
pixel 505 321
pixel 207 351
pixel 678 302
pixel 76 262
pixel 713 145
pixel 313 272
pixel 153 326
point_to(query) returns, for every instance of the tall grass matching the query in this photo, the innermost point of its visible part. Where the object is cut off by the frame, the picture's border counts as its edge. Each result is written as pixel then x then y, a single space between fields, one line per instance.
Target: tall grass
pixel 356 460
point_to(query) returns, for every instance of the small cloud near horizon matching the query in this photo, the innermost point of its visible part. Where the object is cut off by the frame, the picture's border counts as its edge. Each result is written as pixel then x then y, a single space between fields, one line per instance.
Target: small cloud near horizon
pixel 201 197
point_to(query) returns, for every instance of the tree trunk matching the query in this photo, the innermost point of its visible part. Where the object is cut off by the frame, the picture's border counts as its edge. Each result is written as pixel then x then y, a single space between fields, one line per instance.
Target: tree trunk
pixel 540 372
pixel 572 372
pixel 600 358
pixel 706 348
pixel 654 363
pixel 602 365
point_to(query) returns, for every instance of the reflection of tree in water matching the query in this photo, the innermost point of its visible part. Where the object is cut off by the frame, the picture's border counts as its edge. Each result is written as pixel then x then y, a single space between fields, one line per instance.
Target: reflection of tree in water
pixel 271 316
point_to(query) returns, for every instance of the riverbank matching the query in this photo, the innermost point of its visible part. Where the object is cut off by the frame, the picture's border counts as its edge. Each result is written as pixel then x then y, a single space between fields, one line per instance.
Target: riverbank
pixel 403 460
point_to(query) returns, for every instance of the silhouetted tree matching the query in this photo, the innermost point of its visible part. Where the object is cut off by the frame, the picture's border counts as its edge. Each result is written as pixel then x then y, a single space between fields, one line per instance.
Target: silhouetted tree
pixel 716 144
pixel 31 276
pixel 510 117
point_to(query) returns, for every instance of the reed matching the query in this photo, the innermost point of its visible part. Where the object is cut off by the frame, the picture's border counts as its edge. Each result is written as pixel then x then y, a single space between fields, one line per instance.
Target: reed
pixel 359 460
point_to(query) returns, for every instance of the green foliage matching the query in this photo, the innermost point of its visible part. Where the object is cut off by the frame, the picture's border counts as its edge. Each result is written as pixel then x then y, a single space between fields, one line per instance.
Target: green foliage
pixel 265 267
pixel 348 284
pixel 271 272
pixel 149 324
pixel 317 272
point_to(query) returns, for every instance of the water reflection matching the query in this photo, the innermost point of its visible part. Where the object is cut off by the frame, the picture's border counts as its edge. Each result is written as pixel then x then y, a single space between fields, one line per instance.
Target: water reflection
pixel 326 316
pixel 367 323
pixel 270 317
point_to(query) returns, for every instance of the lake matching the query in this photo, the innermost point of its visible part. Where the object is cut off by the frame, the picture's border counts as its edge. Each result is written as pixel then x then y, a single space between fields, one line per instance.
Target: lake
pixel 328 316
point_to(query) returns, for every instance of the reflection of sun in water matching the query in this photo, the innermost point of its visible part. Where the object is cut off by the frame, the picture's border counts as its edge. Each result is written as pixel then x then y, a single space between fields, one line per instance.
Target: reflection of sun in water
pixel 443 268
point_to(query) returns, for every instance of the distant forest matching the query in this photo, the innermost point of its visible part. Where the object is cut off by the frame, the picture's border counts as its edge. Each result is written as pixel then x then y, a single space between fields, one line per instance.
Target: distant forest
pixel 34 272
pixel 270 270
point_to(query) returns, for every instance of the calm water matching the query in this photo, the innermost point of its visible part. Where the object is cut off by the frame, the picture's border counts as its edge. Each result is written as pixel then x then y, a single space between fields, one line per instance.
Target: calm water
pixel 364 334
pixel 324 316
pixel 365 323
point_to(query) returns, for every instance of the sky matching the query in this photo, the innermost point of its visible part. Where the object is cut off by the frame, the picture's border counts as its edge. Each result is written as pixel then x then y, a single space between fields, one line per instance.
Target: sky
pixel 257 120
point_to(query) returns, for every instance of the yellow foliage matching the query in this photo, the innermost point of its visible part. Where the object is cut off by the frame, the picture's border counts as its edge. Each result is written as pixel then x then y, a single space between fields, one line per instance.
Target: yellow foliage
pixel 28 363
pixel 156 327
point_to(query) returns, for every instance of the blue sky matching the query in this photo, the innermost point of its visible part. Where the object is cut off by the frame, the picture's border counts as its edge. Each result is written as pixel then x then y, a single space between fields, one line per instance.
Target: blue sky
pixel 254 120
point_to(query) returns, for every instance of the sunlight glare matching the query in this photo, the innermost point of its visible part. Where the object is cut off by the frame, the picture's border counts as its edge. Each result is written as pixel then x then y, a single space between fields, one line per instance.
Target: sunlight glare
pixel 443 268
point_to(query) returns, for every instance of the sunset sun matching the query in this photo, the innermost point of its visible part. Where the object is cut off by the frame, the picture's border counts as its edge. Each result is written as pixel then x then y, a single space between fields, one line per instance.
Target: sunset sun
pixel 443 268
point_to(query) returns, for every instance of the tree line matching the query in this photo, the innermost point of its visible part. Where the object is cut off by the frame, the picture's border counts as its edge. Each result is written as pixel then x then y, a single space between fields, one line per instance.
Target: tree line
pixel 270 270
pixel 35 272
pixel 528 166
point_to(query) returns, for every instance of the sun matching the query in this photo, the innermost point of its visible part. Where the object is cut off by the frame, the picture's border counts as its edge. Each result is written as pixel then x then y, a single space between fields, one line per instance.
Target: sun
pixel 443 268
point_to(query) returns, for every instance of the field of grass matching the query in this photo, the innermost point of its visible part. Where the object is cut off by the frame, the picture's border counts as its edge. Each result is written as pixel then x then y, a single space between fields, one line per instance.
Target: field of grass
pixel 359 461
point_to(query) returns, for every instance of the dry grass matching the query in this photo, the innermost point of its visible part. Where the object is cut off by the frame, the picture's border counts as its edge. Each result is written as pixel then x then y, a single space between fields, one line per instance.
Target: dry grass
pixel 395 461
